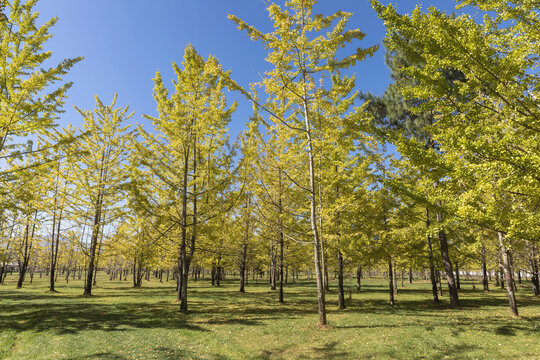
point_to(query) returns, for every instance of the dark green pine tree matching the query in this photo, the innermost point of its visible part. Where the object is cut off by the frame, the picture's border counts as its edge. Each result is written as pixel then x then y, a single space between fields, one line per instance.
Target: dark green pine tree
pixel 392 111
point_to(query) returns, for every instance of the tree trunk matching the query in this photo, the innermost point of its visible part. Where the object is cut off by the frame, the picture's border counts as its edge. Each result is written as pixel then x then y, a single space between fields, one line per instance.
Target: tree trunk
pixel 458 285
pixel 281 241
pixel 134 275
pixel 54 250
pixel 533 264
pixel 501 270
pixel 439 279
pixel 273 270
pixel 341 291
pixel 390 281
pixel 281 266
pixel 26 257
pixel 485 281
pixel 394 275
pixel 508 274
pixel 432 275
pixel 93 248
pixel 243 267
pixel 358 278
pixel 32 273
pixel 452 288
pixel 317 244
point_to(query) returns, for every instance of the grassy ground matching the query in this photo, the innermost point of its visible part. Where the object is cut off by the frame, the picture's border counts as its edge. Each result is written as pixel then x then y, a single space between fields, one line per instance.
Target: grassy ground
pixel 120 322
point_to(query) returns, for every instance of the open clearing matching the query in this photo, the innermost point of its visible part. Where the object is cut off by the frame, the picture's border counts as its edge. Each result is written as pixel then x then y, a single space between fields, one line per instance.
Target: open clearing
pixel 120 322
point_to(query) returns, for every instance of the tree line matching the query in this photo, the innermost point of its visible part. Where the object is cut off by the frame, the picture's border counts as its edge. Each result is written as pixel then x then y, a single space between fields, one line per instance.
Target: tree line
pixel 441 172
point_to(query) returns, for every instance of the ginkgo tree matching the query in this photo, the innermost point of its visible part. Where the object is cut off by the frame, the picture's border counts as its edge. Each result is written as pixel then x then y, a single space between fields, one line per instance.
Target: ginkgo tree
pixel 29 103
pixel 188 153
pixel 487 120
pixel 303 50
pixel 99 173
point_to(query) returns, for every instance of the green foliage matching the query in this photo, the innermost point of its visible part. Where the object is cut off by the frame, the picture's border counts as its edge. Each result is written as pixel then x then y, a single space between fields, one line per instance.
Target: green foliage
pixel 28 105
pixel 487 123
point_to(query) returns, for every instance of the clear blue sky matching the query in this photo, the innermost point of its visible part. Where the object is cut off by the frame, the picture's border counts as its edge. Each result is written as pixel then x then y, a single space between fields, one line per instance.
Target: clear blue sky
pixel 125 42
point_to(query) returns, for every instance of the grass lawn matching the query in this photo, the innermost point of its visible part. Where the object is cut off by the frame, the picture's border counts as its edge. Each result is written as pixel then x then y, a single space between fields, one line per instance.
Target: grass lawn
pixel 120 322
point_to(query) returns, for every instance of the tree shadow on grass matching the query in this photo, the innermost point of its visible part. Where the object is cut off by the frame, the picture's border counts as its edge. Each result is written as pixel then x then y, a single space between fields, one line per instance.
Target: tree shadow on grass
pixel 65 314
pixel 163 353
pixel 71 318
pixel 327 350
pixel 101 356
pixel 443 351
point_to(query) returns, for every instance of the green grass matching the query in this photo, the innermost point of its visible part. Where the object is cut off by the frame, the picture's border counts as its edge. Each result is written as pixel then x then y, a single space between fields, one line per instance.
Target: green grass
pixel 120 322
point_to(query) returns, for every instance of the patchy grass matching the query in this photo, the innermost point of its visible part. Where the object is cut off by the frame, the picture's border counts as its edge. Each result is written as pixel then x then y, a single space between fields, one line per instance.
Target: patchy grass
pixel 120 322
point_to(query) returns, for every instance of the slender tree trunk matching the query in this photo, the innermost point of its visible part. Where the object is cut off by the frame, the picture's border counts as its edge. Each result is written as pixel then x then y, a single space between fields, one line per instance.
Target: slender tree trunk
pixel 410 275
pixel 281 241
pixel 439 280
pixel 508 274
pixel 243 267
pixel 93 248
pixel 29 237
pixel 394 275
pixel 273 270
pixel 96 261
pixel 281 274
pixel 182 255
pixel 96 227
pixel 3 273
pixel 313 215
pixel 32 273
pixel 431 263
pixel 245 247
pixel 188 257
pixel 500 269
pixel 26 257
pixel 358 278
pixel 485 281
pixel 452 288
pixel 341 291
pixel 458 284
pixel 391 281
pixel 533 264
pixel 134 275
pixel 54 249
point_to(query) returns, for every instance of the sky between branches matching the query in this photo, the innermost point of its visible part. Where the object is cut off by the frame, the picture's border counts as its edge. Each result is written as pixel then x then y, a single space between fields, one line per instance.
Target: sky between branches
pixel 125 42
